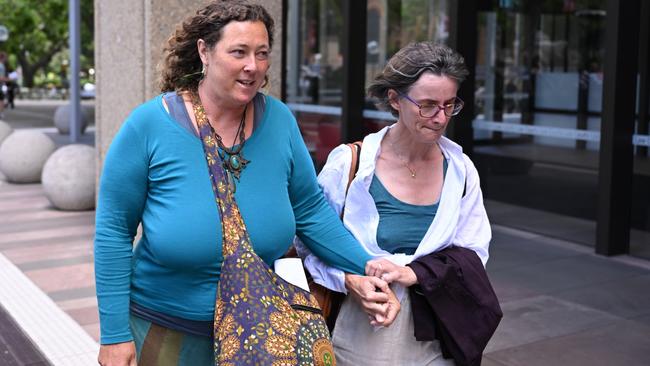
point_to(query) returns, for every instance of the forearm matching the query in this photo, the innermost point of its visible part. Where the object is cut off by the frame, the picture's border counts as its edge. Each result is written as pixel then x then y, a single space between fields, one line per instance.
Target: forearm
pixel 122 196
pixel 336 247
pixel 317 224
pixel 112 276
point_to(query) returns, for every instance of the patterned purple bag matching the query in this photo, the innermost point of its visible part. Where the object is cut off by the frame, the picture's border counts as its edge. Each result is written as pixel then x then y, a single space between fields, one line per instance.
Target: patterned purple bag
pixel 260 319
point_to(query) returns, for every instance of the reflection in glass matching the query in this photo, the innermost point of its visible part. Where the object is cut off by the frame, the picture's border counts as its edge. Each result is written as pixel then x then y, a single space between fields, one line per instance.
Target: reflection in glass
pixel 538 102
pixel 314 72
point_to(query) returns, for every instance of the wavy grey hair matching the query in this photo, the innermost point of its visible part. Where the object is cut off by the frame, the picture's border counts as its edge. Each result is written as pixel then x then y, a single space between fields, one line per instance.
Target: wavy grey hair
pixel 407 65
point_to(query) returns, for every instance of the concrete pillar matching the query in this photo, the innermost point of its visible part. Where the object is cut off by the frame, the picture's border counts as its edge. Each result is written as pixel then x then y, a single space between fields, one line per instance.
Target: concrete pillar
pixel 129 39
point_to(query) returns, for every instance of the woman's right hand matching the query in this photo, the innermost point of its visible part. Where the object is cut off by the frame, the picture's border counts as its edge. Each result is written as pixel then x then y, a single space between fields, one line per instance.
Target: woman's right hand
pixel 375 297
pixel 118 354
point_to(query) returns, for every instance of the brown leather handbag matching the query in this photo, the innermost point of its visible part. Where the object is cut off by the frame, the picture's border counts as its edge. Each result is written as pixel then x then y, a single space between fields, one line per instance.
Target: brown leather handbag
pixel 330 301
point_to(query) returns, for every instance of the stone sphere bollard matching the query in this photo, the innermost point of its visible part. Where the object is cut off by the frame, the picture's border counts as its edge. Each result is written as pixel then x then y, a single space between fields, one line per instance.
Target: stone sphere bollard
pixel 5 130
pixel 62 119
pixel 23 154
pixel 69 178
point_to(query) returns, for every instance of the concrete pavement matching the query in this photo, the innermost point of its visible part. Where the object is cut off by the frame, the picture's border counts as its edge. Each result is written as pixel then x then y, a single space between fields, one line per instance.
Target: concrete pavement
pixel 46 279
pixel 42 311
pixel 39 115
pixel 564 305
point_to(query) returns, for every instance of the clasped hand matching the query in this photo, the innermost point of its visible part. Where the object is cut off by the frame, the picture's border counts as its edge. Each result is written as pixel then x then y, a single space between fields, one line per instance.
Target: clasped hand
pixel 375 297
pixel 373 292
pixel 391 272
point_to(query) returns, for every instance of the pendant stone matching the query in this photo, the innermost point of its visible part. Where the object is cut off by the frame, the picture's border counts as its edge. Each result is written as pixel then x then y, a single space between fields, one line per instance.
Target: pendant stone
pixel 235 164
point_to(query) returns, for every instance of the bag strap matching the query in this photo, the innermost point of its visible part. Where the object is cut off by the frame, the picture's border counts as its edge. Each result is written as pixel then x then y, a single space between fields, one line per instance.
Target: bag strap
pixel 355 147
pixel 223 186
pixel 354 164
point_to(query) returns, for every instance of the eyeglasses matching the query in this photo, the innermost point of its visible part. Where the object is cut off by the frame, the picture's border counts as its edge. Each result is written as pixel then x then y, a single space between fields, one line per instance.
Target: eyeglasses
pixel 430 110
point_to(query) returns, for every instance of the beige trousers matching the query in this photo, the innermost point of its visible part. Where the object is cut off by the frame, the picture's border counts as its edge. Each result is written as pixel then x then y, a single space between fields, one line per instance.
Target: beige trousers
pixel 357 343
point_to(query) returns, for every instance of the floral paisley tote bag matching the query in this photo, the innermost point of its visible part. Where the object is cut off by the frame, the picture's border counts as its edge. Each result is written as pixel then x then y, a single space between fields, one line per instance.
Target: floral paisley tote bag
pixel 260 319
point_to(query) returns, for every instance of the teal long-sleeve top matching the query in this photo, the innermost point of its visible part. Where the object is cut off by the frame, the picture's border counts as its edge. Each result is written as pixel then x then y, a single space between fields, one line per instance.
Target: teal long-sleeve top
pixel 155 173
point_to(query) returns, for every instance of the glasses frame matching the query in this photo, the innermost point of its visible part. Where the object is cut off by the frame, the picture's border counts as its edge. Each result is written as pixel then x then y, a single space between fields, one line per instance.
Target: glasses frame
pixel 457 102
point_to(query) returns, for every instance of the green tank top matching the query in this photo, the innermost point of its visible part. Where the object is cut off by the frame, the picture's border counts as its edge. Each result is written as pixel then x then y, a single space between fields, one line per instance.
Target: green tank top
pixel 401 225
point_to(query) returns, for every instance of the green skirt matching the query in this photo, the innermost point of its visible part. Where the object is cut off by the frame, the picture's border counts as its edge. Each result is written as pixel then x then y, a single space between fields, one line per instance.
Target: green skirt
pixel 160 346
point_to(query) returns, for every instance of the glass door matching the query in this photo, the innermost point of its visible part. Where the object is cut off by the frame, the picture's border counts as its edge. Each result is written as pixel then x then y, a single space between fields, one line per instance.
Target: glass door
pixel 538 100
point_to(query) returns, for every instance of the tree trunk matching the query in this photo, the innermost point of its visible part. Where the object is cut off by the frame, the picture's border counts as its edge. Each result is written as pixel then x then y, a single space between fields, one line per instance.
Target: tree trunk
pixel 28 76
pixel 30 69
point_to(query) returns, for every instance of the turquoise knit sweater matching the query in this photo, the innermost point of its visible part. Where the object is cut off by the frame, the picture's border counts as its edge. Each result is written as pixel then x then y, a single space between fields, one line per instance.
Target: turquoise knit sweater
pixel 155 173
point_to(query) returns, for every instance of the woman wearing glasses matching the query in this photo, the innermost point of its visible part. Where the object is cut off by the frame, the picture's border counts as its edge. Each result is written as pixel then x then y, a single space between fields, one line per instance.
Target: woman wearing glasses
pixel 415 193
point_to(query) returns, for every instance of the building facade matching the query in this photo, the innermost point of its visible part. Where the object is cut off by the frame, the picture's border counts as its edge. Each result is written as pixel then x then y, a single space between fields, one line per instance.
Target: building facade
pixel 557 106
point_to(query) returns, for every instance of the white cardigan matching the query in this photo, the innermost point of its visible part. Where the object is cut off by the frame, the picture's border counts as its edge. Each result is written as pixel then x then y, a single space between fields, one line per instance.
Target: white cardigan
pixel 460 221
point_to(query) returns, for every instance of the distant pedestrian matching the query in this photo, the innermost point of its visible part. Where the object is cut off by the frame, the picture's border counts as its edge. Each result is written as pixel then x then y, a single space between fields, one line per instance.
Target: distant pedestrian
pixel 12 87
pixel 3 80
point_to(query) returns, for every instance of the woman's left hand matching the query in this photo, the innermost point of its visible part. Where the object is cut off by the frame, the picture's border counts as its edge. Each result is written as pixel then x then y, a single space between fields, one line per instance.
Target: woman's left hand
pixel 375 297
pixel 391 272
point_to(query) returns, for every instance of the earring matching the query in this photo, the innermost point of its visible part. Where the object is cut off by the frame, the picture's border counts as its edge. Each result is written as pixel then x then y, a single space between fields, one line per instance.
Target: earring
pixel 203 69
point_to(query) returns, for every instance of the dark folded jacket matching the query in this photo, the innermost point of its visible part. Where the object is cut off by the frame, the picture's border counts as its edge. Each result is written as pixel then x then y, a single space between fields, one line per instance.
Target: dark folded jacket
pixel 454 303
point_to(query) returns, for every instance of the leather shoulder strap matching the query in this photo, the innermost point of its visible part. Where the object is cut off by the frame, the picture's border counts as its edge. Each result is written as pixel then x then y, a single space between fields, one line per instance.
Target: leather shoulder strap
pixel 354 165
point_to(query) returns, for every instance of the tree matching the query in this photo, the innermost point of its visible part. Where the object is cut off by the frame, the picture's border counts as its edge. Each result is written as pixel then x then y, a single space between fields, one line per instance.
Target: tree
pixel 38 30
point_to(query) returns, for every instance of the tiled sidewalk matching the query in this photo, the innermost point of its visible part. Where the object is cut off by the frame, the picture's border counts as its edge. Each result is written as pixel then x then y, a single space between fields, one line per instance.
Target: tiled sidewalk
pixel 47 267
pixel 563 305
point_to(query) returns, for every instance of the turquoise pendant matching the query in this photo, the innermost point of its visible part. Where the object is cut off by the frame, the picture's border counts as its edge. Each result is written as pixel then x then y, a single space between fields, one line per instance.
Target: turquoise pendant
pixel 235 164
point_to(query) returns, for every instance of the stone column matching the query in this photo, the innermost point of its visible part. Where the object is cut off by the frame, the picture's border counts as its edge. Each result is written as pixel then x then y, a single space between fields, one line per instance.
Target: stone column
pixel 129 39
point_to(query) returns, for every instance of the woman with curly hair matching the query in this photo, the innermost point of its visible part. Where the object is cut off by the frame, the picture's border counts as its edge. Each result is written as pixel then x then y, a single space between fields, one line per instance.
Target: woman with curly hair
pixel 157 300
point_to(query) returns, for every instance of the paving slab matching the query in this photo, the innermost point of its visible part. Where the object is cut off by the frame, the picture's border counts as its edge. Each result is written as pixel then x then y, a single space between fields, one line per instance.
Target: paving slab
pixel 487 361
pixel 72 294
pixel 62 219
pixel 566 273
pixel 542 317
pixel 510 249
pixel 643 319
pixel 55 262
pixel 507 289
pixel 626 297
pixel 621 343
pixel 47 252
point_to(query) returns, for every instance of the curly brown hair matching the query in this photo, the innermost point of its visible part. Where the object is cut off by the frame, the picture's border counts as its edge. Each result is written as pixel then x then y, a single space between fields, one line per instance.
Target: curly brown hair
pixel 181 69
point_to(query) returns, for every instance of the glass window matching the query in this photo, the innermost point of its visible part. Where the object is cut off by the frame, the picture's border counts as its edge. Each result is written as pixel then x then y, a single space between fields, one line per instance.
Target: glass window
pixel 314 72
pixel 392 24
pixel 314 59
pixel 538 103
